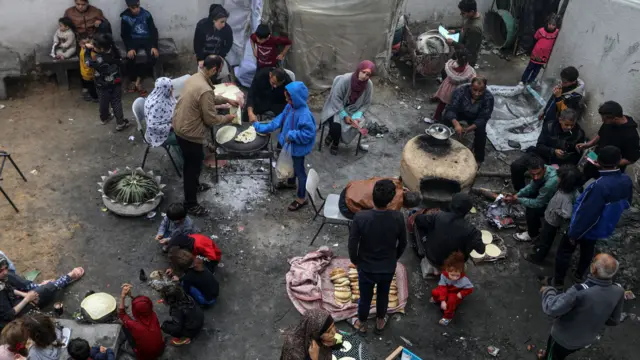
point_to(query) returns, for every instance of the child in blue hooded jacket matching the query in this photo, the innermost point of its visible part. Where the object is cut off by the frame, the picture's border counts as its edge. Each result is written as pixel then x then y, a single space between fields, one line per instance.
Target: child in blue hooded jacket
pixel 297 136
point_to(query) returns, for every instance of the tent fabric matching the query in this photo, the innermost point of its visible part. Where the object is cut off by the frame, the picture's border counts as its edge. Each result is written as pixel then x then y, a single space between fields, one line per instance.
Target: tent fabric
pixel 247 68
pixel 331 37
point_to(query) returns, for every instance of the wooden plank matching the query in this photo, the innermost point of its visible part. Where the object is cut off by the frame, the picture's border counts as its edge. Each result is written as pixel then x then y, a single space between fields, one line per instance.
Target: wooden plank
pixel 395 353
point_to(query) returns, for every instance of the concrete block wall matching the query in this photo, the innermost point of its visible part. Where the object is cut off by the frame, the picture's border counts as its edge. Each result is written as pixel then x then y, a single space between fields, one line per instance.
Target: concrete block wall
pixel 604 46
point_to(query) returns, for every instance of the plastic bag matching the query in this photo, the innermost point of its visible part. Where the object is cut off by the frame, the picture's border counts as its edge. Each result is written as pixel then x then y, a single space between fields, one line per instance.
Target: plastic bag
pixel 284 165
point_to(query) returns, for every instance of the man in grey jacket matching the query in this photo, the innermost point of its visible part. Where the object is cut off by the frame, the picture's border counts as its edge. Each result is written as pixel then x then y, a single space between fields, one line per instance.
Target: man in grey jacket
pixel 584 309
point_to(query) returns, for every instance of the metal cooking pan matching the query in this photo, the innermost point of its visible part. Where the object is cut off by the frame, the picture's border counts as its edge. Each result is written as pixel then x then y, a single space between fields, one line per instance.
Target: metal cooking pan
pixel 240 148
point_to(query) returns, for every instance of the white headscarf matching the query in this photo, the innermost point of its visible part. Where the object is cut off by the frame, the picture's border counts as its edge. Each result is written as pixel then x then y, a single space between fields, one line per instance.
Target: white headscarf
pixel 158 111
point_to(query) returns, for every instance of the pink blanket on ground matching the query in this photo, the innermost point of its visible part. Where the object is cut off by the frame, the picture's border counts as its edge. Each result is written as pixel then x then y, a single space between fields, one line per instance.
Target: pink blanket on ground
pixel 309 285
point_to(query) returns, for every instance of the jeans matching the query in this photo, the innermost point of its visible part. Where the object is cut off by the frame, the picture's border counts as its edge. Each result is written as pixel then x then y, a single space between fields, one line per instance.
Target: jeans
pixel 342 205
pixel 555 351
pixel 534 218
pixel 366 282
pixel 300 173
pixel 531 72
pixel 111 96
pixel 563 258
pixel 191 167
pixel 45 292
pixel 542 247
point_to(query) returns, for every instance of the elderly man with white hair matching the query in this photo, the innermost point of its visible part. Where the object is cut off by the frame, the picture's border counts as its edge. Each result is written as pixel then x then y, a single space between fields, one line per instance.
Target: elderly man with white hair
pixel 584 309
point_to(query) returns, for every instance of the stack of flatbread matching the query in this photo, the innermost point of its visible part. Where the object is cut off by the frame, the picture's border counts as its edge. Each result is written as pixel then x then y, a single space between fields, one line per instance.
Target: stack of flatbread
pixel 393 293
pixel 355 286
pixel 491 250
pixel 342 291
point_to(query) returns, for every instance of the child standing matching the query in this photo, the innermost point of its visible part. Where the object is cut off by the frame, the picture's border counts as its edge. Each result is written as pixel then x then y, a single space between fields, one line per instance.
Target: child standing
pixel 265 47
pixel 459 72
pixel 546 37
pixel 175 222
pixel 106 61
pixel 454 286
pixel 86 72
pixel 64 40
pixel 558 212
pixel 79 349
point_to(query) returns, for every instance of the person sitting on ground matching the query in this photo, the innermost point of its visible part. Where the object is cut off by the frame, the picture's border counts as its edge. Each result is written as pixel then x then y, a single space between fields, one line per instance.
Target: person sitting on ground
pixel 312 338
pixel 556 145
pixel 195 113
pixel 14 340
pixel 138 32
pixel 87 19
pixel 535 196
pixel 175 222
pixel 198 245
pixel 47 340
pixel 187 317
pixel 266 93
pixel 265 47
pixel 447 232
pixel 17 293
pixel 297 137
pixel 377 239
pixel 558 212
pixel 64 40
pixel 454 285
pixel 595 216
pixel 472 103
pixel 545 39
pixel 568 94
pixel 344 109
pixel 358 196
pixel 472 31
pixel 459 72
pixel 617 130
pixel 195 278
pixel 581 313
pixel 142 332
pixel 79 349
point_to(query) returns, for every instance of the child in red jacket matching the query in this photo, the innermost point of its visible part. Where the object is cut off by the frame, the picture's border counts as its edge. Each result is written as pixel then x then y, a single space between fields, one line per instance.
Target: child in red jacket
pixel 454 286
pixel 546 38
pixel 199 245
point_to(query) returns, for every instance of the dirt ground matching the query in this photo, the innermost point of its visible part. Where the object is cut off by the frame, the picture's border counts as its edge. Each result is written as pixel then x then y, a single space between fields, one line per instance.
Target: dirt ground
pixel 61 147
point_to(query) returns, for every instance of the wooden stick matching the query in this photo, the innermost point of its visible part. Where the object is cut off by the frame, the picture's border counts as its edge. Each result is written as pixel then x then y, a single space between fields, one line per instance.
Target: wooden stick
pixel 489 194
pixel 395 353
pixel 493 174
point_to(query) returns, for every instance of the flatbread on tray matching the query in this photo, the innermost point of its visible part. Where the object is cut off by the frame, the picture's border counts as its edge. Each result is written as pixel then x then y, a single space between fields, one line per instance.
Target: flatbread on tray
pixel 226 134
pixel 247 136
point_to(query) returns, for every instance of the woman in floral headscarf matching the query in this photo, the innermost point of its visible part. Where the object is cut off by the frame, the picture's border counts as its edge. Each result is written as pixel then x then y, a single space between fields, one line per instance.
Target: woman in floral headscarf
pixel 158 111
pixel 311 339
pixel 350 97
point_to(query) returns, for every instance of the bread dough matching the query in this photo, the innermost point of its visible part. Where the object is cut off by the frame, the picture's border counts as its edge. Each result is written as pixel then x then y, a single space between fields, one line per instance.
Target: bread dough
pixel 247 136
pixel 238 113
pixel 487 237
pixel 226 134
pixel 492 250
pixel 475 255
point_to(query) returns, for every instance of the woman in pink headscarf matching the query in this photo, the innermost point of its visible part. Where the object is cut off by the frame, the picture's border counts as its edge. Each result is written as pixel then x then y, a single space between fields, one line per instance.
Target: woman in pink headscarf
pixel 350 97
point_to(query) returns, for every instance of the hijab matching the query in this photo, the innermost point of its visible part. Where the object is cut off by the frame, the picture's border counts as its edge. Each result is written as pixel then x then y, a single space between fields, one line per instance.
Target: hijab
pixel 142 309
pixel 217 11
pixel 358 86
pixel 297 340
pixel 4 283
pixel 158 111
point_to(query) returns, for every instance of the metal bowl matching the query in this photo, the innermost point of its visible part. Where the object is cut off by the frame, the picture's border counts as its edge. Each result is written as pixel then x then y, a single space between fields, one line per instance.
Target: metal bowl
pixel 439 131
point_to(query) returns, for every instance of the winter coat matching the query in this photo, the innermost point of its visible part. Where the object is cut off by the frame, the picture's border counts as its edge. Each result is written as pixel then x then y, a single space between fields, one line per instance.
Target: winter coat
pixel 552 137
pixel 624 137
pixel 299 124
pixel 84 22
pixel 106 68
pixel 599 208
pixel 571 98
pixel 144 329
pixel 537 194
pixel 138 31
pixel 542 50
pixel 64 43
pixel 446 286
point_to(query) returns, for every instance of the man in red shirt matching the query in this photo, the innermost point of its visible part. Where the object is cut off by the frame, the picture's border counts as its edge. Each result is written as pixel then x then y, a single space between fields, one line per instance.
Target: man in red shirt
pixel 265 47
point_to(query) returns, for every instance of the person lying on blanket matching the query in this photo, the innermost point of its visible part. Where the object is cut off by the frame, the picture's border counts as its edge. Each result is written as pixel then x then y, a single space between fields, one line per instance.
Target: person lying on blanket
pixel 358 196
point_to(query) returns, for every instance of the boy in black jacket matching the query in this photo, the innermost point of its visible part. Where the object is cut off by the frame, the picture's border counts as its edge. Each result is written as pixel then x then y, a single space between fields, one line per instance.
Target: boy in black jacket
pixel 106 61
pixel 138 32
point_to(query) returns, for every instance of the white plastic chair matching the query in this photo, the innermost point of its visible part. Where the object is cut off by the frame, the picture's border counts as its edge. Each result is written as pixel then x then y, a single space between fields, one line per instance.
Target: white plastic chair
pixel 330 207
pixel 138 113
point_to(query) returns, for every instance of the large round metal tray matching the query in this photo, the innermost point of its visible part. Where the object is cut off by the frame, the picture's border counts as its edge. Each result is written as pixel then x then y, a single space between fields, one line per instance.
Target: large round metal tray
pixel 240 148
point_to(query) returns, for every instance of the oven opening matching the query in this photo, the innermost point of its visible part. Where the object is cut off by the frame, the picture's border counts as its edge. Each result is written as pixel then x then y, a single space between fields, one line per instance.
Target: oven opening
pixel 438 190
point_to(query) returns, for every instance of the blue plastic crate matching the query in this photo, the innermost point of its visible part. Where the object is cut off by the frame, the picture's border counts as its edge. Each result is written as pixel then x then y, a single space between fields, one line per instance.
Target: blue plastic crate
pixel 408 355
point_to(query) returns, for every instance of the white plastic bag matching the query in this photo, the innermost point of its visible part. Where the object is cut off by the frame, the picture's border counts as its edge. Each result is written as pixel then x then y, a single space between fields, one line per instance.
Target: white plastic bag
pixel 284 166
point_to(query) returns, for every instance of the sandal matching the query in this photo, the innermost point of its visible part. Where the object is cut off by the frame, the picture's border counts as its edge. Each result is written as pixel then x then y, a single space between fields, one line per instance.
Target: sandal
pixel 384 320
pixel 132 88
pixel 198 210
pixel 123 126
pixel 295 205
pixel 180 342
pixel 356 324
pixel 203 188
pixel 76 273
pixel 333 150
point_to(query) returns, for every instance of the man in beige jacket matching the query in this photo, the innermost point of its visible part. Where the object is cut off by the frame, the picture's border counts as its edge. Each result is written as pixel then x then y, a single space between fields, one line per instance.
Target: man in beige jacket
pixel 195 113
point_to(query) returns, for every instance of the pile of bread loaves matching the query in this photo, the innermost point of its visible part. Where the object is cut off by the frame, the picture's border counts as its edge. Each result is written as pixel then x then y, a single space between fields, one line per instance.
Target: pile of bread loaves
pixel 347 287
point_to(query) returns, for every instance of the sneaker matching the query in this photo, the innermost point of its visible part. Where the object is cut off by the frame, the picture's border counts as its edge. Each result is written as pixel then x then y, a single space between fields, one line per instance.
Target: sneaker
pixel 522 237
pixel 444 322
pixel 180 342
pixel 123 126
pixel 198 210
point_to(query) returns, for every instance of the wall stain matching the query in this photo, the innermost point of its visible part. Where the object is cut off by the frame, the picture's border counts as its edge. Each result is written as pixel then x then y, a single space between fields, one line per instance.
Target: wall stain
pixel 609 45
pixel 633 49
pixel 633 71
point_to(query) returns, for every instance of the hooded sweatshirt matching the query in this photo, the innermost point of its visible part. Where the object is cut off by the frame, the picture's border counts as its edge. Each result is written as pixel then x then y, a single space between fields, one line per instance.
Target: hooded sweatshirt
pixel 299 124
pixel 542 50
pixel 145 329
pixel 138 31
pixel 624 137
pixel 571 98
pixel 49 353
pixel 210 41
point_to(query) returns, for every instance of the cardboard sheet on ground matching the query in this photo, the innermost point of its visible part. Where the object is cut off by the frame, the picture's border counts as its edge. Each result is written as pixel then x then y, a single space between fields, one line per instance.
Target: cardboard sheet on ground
pixel 309 285
pixel 515 117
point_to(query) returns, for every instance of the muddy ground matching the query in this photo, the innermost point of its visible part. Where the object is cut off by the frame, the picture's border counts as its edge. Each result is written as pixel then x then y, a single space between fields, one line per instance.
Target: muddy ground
pixel 58 142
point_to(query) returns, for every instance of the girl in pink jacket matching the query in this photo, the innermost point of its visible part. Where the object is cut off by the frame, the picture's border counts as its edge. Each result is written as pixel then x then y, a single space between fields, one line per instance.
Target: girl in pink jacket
pixel 545 37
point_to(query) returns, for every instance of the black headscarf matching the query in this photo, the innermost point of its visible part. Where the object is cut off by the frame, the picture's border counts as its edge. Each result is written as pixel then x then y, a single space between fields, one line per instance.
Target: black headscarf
pixel 216 12
pixel 461 204
pixel 297 340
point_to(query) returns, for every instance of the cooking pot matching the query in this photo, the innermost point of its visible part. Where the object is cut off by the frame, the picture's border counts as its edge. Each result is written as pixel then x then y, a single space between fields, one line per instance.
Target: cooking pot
pixel 439 134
